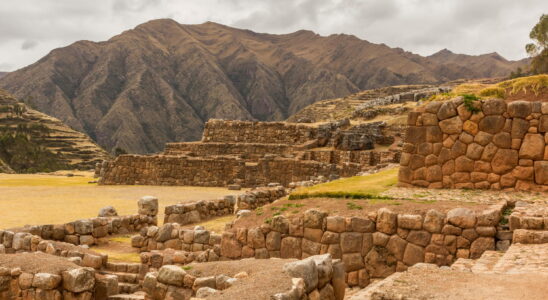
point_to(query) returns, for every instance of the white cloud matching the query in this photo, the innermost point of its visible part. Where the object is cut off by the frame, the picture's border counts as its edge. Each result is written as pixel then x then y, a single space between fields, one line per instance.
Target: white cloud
pixel 29 29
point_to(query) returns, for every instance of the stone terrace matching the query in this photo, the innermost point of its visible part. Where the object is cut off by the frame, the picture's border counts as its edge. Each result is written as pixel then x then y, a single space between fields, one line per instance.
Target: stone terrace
pixel 257 153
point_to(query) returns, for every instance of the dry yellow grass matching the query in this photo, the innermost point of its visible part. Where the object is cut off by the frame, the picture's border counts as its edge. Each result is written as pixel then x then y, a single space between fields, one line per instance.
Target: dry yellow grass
pixel 48 199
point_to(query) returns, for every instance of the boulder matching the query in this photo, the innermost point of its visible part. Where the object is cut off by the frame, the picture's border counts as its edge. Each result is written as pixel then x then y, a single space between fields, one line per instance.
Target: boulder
pixel 305 269
pixel 492 124
pixel 481 245
pixel 79 280
pixel 541 172
pixel 148 205
pixel 447 110
pixel 205 291
pixel 461 217
pixel 171 275
pixel 107 211
pixel 494 107
pixel 433 221
pixel 46 281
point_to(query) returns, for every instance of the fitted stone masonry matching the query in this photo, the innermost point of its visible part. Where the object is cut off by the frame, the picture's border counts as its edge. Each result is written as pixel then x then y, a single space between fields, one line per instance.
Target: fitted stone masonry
pixel 501 146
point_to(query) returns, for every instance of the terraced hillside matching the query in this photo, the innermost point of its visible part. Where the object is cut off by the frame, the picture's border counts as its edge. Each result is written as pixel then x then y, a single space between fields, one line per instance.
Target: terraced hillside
pixel 31 141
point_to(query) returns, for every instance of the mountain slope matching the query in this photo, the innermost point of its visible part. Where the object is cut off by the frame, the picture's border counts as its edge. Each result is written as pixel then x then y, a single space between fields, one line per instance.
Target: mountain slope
pixel 161 81
pixel 31 141
pixel 2 74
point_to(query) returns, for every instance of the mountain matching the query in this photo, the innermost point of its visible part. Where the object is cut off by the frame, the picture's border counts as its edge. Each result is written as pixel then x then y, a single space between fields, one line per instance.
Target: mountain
pixel 31 141
pixel 2 74
pixel 161 81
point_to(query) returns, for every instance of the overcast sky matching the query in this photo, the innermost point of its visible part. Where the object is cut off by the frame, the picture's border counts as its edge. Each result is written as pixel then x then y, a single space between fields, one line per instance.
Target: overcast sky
pixel 29 29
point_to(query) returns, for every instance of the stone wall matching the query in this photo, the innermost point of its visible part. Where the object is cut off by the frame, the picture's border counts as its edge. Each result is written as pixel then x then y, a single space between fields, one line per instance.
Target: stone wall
pixel 87 231
pixel 173 236
pixel 316 277
pixel 501 146
pixel 77 283
pixel 188 213
pixel 217 171
pixel 256 153
pixel 172 282
pixel 372 247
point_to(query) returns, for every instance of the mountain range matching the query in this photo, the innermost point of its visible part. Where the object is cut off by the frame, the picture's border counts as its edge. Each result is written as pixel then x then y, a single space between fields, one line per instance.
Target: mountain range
pixel 161 81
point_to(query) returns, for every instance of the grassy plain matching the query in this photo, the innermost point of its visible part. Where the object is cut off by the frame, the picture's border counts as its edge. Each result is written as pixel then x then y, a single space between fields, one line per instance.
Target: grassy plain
pixel 55 199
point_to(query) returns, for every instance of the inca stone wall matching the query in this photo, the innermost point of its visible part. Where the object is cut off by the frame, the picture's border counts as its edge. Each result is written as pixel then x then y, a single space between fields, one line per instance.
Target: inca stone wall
pixel 87 231
pixel 501 146
pixel 256 153
pixel 373 247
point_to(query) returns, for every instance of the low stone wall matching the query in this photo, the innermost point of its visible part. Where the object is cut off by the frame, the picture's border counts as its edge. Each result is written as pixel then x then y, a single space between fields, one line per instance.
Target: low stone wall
pixel 500 146
pixel 157 258
pixel 172 282
pixel 172 236
pixel 20 242
pixel 372 247
pixel 188 213
pixel 316 277
pixel 87 231
pixel 80 283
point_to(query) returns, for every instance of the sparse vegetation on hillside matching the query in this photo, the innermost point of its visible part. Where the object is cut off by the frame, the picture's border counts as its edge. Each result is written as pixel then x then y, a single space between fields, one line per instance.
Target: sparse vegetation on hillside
pixel 530 86
pixel 357 187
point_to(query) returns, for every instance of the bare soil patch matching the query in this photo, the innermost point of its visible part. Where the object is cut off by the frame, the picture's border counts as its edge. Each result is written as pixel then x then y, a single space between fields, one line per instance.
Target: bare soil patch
pixel 266 277
pixel 456 285
pixel 349 208
pixel 37 262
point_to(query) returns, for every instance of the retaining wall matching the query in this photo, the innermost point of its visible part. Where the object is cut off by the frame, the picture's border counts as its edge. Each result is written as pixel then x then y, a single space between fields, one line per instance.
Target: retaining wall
pixel 501 146
pixel 373 247
pixel 188 213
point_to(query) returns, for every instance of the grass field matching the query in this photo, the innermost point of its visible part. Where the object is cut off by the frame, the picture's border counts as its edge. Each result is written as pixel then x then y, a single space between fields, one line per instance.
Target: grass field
pixel 53 199
pixel 369 186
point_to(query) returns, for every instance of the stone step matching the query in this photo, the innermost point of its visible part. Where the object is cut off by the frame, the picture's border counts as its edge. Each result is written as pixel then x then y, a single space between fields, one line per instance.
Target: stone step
pixel 486 262
pixel 463 264
pixel 128 288
pixel 124 277
pixel 127 297
pixel 123 267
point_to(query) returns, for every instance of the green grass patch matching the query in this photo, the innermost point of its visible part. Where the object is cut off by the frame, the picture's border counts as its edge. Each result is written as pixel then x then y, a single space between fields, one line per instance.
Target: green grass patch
pixel 186 268
pixel 357 187
pixel 353 206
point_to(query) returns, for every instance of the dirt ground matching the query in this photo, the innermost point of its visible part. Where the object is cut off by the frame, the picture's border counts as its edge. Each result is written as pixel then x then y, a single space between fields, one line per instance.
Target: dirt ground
pixel 36 262
pixel 348 208
pixel 457 285
pixel 266 277
pixel 30 199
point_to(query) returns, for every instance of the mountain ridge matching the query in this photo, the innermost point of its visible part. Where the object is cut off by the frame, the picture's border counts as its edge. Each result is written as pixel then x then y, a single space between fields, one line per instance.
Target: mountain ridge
pixel 161 81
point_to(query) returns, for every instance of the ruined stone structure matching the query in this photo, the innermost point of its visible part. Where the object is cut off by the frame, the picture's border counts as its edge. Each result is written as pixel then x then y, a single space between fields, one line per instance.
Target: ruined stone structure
pixel 484 145
pixel 257 153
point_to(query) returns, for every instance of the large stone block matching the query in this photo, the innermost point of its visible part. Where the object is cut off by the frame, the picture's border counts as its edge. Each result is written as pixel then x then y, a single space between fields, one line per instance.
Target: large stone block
pixel 541 172
pixel 451 126
pixel 461 217
pixel 387 221
pixel 79 280
pixel 148 205
pixel 532 147
pixel 171 275
pixel 519 109
pixel 504 160
pixel 492 124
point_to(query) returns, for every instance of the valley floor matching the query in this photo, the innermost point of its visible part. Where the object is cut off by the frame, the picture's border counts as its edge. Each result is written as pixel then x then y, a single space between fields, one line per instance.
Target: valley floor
pixel 30 199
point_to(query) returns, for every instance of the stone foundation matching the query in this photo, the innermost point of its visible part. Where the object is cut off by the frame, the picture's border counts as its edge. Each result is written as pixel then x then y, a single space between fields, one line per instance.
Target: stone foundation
pixel 499 146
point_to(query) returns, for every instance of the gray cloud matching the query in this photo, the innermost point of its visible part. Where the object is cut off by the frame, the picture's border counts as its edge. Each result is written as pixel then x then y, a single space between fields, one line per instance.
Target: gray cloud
pixel 29 29
pixel 29 44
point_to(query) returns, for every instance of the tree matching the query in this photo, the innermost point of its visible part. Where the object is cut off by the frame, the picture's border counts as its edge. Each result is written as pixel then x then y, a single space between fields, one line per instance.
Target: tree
pixel 539 49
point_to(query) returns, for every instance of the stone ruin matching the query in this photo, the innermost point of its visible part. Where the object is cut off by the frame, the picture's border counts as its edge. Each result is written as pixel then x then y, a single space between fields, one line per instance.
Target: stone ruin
pixel 499 146
pixel 252 154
